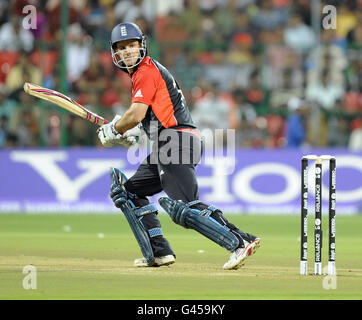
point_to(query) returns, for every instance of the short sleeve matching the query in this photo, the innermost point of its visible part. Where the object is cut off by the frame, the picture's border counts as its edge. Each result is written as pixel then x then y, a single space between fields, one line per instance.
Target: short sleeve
pixel 144 86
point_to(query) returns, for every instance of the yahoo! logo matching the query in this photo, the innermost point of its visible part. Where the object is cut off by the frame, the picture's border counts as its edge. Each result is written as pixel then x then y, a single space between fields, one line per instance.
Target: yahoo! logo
pixel 72 176
pixel 47 165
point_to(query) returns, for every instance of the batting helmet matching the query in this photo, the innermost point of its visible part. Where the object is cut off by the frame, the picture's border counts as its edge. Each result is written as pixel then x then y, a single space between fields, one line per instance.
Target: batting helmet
pixel 127 31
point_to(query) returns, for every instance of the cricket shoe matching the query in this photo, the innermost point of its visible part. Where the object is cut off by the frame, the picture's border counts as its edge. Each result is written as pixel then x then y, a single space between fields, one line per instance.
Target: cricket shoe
pixel 239 256
pixel 159 261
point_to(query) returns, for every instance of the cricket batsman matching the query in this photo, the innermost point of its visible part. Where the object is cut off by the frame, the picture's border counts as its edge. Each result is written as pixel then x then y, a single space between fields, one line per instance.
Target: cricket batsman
pixel 159 106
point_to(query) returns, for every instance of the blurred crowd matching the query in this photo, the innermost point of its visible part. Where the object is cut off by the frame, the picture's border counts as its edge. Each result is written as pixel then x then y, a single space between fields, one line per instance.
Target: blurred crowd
pixel 261 67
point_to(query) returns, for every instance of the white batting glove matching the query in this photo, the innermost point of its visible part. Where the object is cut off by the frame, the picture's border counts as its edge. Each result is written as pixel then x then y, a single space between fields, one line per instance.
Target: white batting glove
pixel 108 135
pixel 135 133
pixel 115 119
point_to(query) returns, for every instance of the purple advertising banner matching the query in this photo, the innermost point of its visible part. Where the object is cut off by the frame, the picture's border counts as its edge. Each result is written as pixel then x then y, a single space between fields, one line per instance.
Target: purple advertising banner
pixel 245 182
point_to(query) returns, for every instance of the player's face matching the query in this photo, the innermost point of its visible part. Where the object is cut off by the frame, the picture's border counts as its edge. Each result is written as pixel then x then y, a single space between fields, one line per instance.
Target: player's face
pixel 128 51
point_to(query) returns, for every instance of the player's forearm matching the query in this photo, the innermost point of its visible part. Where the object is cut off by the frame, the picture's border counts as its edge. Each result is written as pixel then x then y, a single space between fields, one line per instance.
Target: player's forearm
pixel 132 117
pixel 128 121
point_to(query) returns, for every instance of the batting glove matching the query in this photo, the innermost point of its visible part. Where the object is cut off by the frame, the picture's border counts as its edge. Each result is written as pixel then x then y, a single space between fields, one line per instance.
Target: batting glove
pixel 108 135
pixel 123 139
pixel 115 119
pixel 134 135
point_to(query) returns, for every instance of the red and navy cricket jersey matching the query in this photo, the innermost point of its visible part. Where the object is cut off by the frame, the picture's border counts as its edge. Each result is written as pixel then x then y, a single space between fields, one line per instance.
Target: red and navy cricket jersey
pixel 153 84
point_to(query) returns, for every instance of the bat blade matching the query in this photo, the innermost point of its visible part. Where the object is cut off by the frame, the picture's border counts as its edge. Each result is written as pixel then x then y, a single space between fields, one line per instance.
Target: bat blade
pixel 63 101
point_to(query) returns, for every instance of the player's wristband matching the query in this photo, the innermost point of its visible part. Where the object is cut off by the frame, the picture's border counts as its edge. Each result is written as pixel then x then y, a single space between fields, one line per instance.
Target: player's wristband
pixel 114 131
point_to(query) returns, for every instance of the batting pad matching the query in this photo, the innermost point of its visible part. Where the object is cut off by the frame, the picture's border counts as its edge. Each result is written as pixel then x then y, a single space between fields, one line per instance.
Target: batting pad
pixel 201 221
pixel 137 227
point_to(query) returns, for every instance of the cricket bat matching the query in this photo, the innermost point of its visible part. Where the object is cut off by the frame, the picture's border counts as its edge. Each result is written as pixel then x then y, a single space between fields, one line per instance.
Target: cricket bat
pixel 64 102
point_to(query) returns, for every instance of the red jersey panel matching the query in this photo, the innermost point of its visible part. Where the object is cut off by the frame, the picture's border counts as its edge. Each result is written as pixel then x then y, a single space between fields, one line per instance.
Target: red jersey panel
pixel 153 84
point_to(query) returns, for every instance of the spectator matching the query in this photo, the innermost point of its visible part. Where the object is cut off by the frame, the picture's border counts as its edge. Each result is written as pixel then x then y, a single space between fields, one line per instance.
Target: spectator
pixel 12 140
pixel 27 130
pixel 95 17
pixel 327 55
pixel 240 52
pixel 280 97
pixel 247 117
pixel 24 122
pixel 256 95
pixel 53 131
pixel 220 72
pixel 269 17
pixel 92 80
pixel 346 20
pixel 354 36
pixel 129 11
pixel 13 37
pixel 7 106
pixel 124 101
pixel 170 33
pixel 80 132
pixel 78 52
pixel 224 18
pixel 165 8
pixel 355 140
pixel 191 18
pixel 242 30
pixel 17 6
pixel 23 71
pixel 248 47
pixel 295 127
pixel 212 112
pixel 338 134
pixel 4 132
pixel 187 70
pixel 276 131
pixel 298 35
pixel 325 93
pixel 259 136
pixel 353 97
pixel 53 10
pixel 303 7
pixel 244 4
pixel 103 31
pixel 4 7
pixel 93 103
pixel 209 6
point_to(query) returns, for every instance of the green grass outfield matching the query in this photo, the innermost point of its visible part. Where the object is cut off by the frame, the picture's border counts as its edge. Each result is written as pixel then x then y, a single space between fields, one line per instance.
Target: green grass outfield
pixel 74 261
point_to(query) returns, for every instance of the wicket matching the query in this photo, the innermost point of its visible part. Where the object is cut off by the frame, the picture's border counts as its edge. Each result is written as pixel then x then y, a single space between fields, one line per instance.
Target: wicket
pixel 318 235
